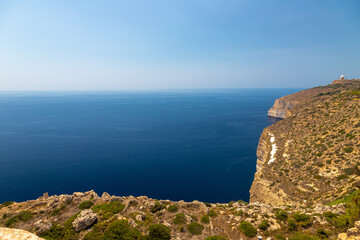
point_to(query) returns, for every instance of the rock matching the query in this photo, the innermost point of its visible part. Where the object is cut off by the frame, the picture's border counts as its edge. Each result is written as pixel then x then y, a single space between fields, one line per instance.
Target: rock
pixel 85 219
pixel 78 194
pixel 132 222
pixel 105 195
pixel 140 217
pixel 17 234
pixel 342 236
pixel 42 226
pixel 357 224
pixel 352 231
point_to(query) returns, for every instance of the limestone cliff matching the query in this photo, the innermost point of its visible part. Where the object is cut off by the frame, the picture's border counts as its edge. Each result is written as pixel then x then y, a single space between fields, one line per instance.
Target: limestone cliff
pixel 313 154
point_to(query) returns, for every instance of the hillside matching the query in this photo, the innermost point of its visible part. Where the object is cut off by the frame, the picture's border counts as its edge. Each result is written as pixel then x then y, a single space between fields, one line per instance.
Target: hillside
pixel 312 156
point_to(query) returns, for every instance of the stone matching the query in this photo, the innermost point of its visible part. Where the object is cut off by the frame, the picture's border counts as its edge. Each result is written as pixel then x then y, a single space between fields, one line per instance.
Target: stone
pixel 140 217
pixel 105 195
pixel 85 219
pixel 42 226
pixel 17 234
pixel 342 236
pixel 357 224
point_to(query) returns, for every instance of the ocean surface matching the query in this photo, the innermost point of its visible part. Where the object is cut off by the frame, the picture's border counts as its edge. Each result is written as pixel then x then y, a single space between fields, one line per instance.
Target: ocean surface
pixel 177 145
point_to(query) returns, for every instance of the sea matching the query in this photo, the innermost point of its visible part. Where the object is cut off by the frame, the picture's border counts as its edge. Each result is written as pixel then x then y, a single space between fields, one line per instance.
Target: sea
pixel 176 144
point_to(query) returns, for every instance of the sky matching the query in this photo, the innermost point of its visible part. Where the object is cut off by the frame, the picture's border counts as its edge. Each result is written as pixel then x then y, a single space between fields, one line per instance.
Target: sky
pixel 176 44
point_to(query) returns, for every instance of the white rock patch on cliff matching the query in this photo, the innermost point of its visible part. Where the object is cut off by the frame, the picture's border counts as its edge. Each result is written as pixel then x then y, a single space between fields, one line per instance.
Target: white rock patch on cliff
pixel 273 148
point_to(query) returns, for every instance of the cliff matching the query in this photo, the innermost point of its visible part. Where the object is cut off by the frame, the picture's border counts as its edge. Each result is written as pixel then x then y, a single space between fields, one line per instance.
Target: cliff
pixel 312 156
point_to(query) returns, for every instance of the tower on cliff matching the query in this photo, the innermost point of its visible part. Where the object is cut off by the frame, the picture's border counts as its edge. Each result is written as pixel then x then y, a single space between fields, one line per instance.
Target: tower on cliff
pixel 342 77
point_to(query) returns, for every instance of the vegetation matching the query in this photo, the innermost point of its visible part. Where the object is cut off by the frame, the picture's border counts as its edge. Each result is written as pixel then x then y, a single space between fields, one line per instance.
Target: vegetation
pixel 23 216
pixel 195 228
pixel 205 219
pixel 212 213
pixel 86 205
pixel 215 238
pixel 179 218
pixel 113 207
pixel 157 207
pixel 159 232
pixel 247 229
pixel 65 232
pixel 172 208
pixel 281 215
pixel 264 225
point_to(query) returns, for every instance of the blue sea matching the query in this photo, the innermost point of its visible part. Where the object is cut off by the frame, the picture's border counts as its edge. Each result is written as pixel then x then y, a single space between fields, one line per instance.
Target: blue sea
pixel 178 145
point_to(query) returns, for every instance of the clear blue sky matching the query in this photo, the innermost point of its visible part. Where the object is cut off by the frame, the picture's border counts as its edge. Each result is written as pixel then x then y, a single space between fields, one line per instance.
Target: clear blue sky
pixel 165 44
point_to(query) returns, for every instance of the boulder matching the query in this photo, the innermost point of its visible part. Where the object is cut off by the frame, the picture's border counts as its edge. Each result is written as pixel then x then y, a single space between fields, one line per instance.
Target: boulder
pixel 85 219
pixel 42 226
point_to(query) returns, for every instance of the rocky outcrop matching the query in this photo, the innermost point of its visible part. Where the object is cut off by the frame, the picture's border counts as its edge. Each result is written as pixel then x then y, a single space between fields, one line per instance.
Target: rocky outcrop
pixel 85 219
pixel 281 108
pixel 17 234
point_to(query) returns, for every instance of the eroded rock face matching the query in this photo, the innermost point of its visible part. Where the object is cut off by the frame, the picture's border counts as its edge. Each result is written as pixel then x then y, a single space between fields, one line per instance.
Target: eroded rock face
pixel 85 219
pixel 281 108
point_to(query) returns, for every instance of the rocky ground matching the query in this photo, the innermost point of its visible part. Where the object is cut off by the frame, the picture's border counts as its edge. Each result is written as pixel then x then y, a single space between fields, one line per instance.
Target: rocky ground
pixel 88 216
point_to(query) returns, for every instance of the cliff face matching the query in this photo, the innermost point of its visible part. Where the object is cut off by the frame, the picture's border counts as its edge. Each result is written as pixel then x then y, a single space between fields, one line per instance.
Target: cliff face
pixel 313 154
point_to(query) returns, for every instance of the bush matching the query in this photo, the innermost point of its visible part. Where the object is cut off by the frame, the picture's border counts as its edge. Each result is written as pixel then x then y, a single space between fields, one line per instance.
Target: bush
pixel 159 232
pixel 117 230
pixel 6 204
pixel 113 207
pixel 321 233
pixel 179 219
pixel 205 219
pixel 157 207
pixel 348 149
pixel 172 208
pixel 302 236
pixel 303 219
pixel 215 238
pixel 66 232
pixel 281 215
pixel 264 225
pixel 23 216
pixel 212 213
pixel 86 205
pixel 207 204
pixel 248 229
pixel 292 225
pixel 195 228
pixel 280 237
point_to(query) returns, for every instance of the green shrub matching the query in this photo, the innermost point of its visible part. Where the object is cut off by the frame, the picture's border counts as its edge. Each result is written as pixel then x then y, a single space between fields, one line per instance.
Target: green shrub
pixel 303 219
pixel 280 237
pixel 66 232
pixel 117 230
pixel 86 205
pixel 341 177
pixel 207 204
pixel 215 238
pixel 94 236
pixel 195 228
pixel 212 213
pixel 159 232
pixel 264 225
pixel 281 215
pixel 292 226
pixel 6 204
pixel 23 216
pixel 205 219
pixel 172 208
pixel 321 233
pixel 157 207
pixel 179 218
pixel 302 236
pixel 113 207
pixel 247 229
pixel 348 149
